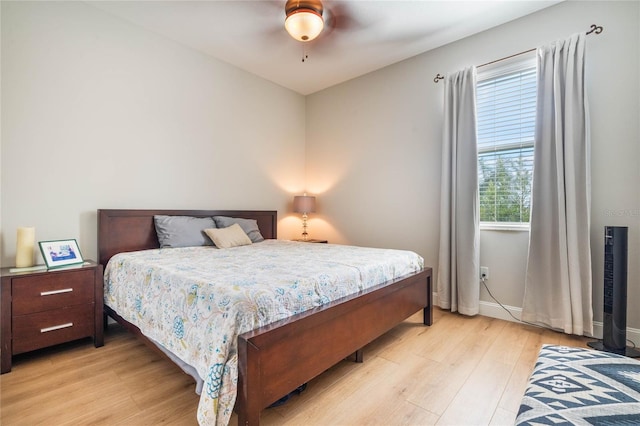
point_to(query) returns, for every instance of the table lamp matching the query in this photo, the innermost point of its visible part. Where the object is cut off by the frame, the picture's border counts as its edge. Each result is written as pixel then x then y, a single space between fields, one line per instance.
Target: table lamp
pixel 304 204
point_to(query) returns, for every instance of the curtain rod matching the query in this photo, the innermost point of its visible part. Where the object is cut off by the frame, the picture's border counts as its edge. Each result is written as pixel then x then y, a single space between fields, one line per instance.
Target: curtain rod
pixel 595 29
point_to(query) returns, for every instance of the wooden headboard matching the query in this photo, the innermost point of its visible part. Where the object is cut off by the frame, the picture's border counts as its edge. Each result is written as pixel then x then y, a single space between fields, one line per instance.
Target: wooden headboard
pixel 131 230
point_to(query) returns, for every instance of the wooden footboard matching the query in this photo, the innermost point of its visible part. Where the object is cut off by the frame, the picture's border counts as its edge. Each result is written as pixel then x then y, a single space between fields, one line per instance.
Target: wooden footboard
pixel 276 359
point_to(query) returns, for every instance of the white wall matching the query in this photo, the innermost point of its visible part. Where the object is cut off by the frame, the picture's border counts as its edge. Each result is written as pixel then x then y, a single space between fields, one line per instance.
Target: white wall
pixel 98 113
pixel 373 145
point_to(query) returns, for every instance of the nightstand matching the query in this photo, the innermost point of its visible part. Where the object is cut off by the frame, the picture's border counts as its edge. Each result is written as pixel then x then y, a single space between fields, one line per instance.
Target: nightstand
pixel 47 307
pixel 313 241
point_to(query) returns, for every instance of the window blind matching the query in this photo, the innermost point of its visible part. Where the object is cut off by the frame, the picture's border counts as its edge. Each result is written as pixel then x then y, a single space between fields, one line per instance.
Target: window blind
pixel 506 114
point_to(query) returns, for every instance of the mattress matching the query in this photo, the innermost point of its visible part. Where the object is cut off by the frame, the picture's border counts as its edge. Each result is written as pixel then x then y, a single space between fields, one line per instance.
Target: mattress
pixel 195 301
pixel 576 386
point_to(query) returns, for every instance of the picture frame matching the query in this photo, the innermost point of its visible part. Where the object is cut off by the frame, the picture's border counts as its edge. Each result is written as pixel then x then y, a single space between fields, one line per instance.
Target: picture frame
pixel 58 253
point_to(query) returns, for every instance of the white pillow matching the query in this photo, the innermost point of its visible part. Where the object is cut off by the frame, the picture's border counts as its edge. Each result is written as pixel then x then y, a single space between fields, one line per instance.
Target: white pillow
pixel 231 236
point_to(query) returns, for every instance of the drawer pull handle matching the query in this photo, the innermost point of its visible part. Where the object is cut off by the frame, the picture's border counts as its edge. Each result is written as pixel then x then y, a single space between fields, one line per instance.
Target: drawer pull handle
pixel 56 327
pixel 49 293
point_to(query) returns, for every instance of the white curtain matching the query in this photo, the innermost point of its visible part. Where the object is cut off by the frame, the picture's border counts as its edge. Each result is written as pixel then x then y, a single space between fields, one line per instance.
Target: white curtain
pixel 558 281
pixel 458 264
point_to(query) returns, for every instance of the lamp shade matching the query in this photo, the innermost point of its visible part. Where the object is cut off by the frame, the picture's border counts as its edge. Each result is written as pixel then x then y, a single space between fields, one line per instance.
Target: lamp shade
pixel 304 24
pixel 304 204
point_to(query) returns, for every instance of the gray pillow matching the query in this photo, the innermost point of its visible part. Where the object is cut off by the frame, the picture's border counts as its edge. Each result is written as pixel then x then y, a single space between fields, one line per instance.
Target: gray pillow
pixel 249 226
pixel 183 231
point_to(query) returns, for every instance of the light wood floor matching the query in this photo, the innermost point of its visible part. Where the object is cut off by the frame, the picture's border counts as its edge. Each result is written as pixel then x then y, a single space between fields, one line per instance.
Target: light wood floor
pixel 460 371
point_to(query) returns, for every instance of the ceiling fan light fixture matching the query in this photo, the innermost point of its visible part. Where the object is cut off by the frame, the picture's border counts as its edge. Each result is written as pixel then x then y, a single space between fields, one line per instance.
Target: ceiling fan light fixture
pixel 304 24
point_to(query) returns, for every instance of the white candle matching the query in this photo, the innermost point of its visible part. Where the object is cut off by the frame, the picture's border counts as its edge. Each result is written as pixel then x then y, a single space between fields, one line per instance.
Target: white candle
pixel 25 247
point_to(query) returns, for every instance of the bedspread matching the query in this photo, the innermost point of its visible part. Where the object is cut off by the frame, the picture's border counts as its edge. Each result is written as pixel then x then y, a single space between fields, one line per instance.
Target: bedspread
pixel 195 301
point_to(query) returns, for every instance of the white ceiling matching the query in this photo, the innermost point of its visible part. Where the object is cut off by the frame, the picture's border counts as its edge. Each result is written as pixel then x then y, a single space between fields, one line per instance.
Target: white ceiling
pixel 365 35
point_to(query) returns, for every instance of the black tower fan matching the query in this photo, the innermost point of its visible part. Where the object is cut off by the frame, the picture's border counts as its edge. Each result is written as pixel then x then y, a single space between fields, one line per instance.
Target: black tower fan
pixel 614 337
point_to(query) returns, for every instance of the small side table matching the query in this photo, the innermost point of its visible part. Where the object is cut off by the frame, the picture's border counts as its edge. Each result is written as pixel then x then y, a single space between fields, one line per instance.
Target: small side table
pixel 47 307
pixel 312 241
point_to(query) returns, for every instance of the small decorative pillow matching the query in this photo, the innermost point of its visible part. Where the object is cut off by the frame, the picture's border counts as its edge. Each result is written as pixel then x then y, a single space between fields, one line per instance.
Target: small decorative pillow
pixel 249 226
pixel 231 236
pixel 182 231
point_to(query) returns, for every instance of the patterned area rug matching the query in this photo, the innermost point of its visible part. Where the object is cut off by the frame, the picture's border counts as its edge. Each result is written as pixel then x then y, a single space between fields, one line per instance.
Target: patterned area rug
pixel 574 386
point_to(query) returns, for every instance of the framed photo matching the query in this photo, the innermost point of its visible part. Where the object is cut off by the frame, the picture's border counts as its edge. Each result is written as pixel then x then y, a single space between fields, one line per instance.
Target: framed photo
pixel 60 253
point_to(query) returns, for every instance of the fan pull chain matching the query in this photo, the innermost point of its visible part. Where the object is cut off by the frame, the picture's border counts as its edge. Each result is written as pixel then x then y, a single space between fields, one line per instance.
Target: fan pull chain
pixel 305 56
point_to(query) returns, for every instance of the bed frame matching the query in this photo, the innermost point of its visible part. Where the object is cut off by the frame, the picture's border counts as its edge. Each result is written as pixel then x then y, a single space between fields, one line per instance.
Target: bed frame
pixel 276 359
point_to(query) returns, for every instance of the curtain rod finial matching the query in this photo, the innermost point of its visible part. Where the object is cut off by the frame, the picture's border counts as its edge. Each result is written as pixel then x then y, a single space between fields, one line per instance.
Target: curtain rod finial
pixel 595 29
pixel 438 77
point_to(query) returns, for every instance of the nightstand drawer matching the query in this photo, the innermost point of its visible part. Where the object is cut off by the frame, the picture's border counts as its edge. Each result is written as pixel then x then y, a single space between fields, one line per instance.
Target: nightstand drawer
pixel 52 291
pixel 47 328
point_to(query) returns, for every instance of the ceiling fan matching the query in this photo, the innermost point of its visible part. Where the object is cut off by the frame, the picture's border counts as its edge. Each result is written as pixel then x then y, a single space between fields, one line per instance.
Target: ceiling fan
pixel 306 19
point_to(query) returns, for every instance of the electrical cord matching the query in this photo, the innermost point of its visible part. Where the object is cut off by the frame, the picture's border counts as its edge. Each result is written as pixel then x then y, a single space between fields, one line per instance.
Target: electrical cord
pixel 484 282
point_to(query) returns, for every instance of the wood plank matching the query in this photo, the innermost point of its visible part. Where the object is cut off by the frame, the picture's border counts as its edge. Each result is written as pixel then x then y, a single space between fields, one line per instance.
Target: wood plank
pixel 413 374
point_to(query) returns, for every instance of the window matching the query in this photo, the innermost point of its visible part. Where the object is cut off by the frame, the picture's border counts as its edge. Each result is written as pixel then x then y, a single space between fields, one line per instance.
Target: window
pixel 506 109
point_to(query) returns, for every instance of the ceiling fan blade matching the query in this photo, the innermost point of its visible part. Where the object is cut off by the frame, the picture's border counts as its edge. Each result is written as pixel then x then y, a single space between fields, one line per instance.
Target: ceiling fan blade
pixel 338 16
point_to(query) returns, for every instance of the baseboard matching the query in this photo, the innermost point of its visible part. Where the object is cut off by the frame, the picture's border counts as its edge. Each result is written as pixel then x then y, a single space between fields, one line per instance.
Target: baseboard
pixel 494 310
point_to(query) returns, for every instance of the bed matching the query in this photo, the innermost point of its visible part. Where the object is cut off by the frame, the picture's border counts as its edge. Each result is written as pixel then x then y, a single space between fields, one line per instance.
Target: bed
pixel 275 359
pixel 577 386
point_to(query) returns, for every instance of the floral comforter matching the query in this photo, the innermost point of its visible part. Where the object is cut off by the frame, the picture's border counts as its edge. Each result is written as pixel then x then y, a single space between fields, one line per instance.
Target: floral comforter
pixel 195 301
